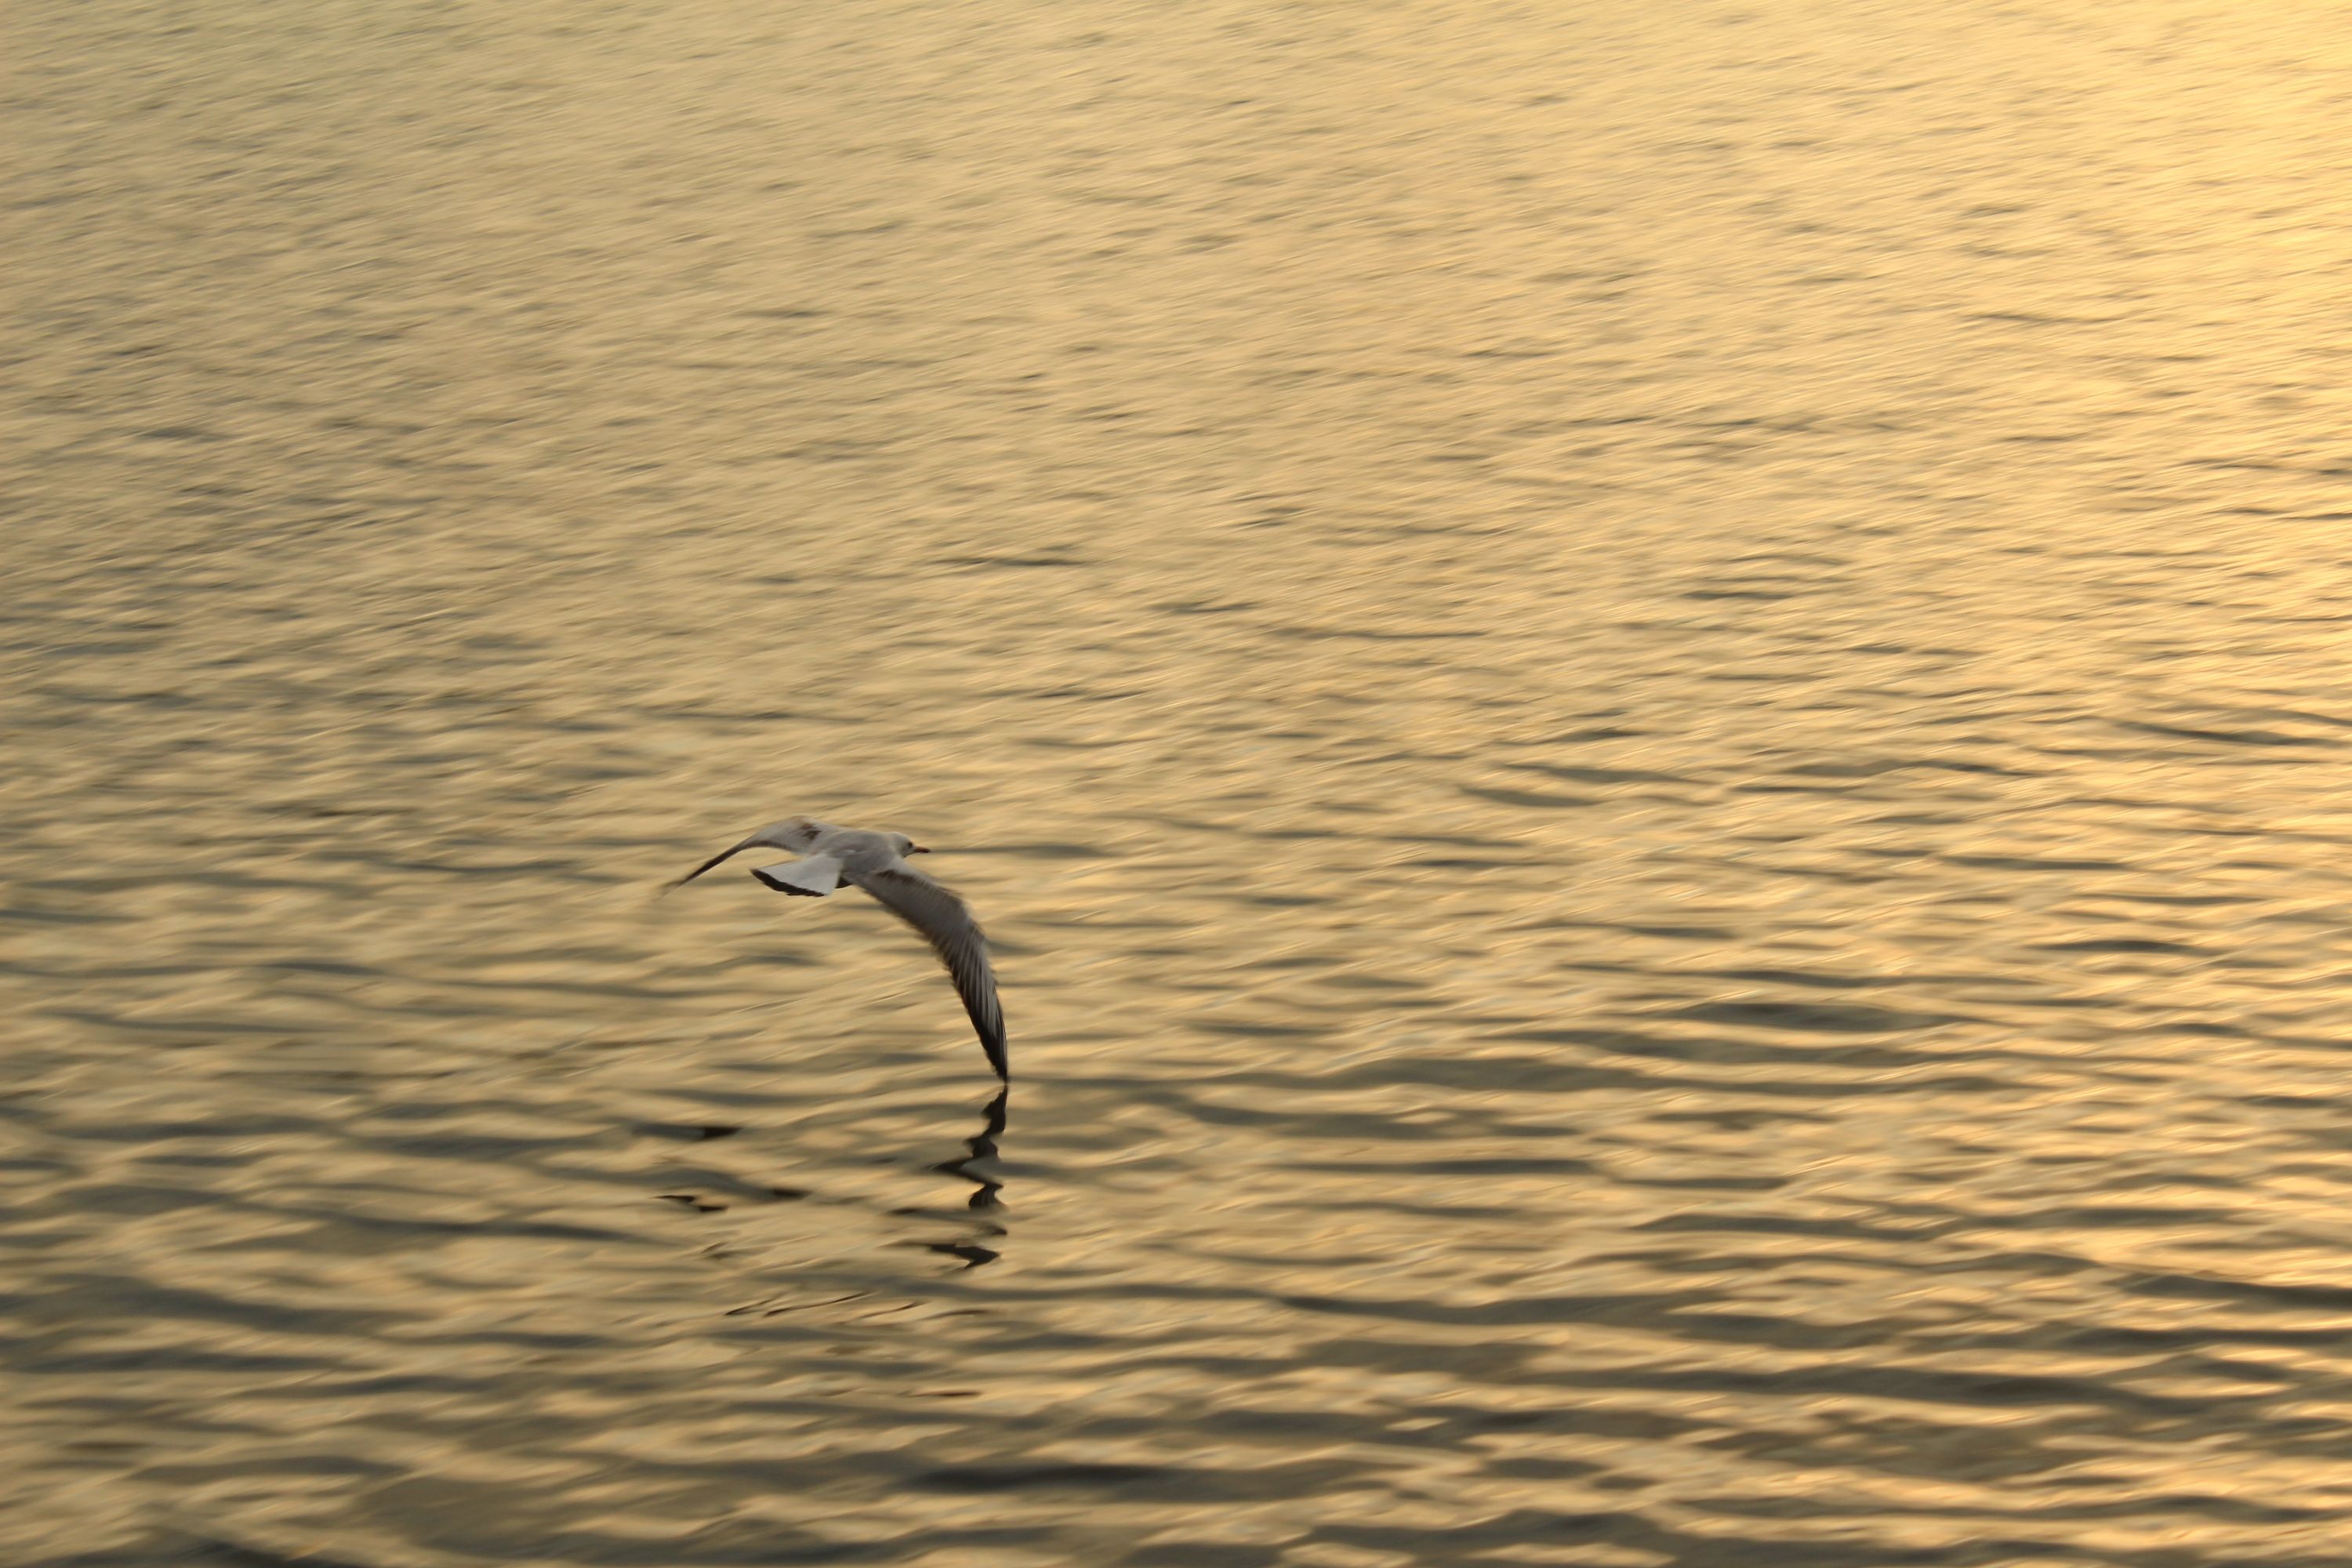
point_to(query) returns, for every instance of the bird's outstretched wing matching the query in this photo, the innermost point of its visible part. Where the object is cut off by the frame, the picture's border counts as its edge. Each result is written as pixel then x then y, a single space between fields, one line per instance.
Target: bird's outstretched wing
pixel 795 833
pixel 949 927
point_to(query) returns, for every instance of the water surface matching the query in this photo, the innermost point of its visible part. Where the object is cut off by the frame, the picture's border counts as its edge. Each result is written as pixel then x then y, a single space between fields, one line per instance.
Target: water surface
pixel 1649 703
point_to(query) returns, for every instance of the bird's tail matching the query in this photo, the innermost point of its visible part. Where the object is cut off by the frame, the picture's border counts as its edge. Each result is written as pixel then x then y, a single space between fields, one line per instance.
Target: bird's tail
pixel 811 878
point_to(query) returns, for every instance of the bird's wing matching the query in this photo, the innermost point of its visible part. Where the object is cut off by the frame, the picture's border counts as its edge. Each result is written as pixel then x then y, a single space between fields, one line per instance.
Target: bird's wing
pixel 813 878
pixel 796 833
pixel 714 861
pixel 949 927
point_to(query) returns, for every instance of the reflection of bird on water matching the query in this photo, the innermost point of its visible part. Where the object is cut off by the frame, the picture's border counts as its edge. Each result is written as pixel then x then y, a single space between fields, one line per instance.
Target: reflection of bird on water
pixel 877 862
pixel 981 1145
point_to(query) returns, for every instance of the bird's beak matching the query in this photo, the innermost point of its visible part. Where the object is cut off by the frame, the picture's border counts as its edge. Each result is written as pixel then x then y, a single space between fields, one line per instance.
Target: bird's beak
pixel 917 849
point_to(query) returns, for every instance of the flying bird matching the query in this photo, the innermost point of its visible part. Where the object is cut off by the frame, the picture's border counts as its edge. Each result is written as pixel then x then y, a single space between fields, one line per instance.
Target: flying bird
pixel 830 856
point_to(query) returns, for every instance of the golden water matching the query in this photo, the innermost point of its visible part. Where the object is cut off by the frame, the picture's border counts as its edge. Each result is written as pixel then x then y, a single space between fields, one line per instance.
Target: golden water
pixel 1649 700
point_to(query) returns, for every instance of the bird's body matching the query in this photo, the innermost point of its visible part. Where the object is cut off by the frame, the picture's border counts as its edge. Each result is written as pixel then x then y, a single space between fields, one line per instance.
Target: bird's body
pixel 830 856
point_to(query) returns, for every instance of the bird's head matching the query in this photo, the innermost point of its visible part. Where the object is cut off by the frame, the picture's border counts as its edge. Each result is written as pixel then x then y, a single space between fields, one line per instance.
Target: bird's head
pixel 905 846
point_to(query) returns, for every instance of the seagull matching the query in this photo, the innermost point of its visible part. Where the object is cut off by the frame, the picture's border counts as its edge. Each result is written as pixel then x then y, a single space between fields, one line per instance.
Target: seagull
pixel 830 856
